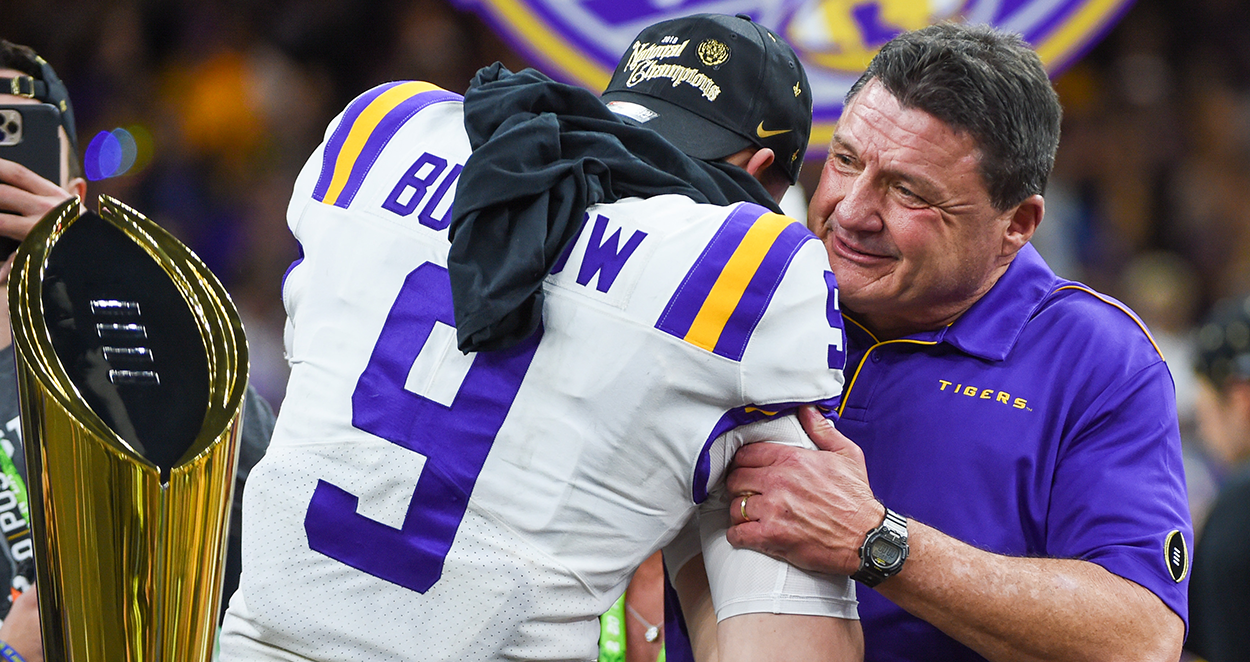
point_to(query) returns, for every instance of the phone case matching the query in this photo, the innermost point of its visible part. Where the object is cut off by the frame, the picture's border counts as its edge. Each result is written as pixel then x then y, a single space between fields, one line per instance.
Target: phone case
pixel 38 146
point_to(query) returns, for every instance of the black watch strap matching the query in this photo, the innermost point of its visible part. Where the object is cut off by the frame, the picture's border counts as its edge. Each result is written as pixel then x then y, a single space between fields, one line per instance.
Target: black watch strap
pixel 884 550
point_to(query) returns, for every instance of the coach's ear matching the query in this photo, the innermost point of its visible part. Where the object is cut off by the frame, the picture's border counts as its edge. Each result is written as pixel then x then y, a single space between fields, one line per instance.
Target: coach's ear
pixel 1021 222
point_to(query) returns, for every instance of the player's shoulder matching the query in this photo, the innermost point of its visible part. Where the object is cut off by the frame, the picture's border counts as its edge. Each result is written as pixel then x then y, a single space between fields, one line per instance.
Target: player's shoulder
pixel 394 99
pixel 737 270
pixel 742 236
pixel 711 275
pixel 398 139
pixel 757 290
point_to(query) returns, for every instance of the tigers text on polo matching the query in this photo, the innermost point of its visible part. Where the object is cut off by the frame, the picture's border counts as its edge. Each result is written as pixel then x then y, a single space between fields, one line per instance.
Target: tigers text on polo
pixel 1042 422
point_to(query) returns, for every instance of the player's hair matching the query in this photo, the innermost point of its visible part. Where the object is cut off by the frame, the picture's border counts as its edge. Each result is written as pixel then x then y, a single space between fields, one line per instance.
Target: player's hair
pixel 985 82
pixel 19 57
pixel 26 60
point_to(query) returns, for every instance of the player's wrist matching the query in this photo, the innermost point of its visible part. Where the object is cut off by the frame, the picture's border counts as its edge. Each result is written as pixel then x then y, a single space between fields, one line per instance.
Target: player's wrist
pixel 9 654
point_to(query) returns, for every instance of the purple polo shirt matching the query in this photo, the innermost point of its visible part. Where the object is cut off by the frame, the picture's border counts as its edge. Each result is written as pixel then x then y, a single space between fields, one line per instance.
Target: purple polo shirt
pixel 1042 422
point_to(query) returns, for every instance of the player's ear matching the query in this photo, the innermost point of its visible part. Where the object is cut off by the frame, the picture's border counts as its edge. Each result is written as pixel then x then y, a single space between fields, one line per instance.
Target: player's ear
pixel 758 167
pixel 77 186
pixel 759 162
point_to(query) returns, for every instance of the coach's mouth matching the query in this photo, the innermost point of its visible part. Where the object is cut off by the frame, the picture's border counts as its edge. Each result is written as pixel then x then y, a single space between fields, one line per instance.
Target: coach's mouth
pixel 857 253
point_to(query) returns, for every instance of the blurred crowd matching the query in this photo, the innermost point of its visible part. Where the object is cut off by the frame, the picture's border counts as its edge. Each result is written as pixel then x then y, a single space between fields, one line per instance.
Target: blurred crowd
pixel 225 99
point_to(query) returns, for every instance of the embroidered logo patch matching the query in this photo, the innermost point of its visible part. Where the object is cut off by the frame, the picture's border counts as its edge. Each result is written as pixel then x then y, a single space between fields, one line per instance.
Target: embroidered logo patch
pixel 1177 557
pixel 713 53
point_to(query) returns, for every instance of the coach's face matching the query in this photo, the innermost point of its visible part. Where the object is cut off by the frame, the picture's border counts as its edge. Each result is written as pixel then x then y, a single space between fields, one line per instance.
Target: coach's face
pixel 904 213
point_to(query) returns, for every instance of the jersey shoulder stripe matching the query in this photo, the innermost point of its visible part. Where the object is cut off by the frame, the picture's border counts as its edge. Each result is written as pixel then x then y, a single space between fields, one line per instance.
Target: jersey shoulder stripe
pixel 367 126
pixel 725 293
pixel 739 417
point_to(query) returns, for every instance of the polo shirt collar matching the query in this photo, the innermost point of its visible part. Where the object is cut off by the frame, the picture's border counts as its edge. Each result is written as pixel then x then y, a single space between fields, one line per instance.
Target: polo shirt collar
pixel 991 327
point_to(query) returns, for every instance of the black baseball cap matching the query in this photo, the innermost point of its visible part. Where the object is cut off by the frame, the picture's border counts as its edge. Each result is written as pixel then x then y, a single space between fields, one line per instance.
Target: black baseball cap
pixel 1224 342
pixel 45 87
pixel 714 84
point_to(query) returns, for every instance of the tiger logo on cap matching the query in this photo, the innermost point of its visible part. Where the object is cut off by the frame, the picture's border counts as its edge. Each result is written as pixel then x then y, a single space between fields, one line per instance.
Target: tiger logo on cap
pixel 713 53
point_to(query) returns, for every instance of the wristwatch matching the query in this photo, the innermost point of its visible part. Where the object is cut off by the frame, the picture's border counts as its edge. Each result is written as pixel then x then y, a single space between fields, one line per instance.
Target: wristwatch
pixel 884 550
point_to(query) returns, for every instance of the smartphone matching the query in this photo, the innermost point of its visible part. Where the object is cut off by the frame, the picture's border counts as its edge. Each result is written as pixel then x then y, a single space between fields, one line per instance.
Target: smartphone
pixel 29 135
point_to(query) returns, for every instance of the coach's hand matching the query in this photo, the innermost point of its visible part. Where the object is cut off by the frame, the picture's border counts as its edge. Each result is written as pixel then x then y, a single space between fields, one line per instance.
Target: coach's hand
pixel 811 508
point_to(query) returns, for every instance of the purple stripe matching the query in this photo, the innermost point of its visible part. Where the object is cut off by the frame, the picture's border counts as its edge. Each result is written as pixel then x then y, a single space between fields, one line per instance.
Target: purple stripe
pixel 681 310
pixel 1007 8
pixel 294 264
pixel 750 309
pixel 739 417
pixel 382 135
pixel 833 314
pixel 579 37
pixel 677 646
pixel 535 53
pixel 1058 17
pixel 1061 64
pixel 335 144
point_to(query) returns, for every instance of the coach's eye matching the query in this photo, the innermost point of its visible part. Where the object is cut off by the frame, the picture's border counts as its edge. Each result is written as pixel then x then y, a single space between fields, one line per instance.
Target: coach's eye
pixel 844 162
pixel 910 197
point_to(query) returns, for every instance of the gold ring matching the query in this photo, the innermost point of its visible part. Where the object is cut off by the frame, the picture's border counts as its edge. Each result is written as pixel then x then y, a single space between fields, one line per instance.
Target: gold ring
pixel 742 507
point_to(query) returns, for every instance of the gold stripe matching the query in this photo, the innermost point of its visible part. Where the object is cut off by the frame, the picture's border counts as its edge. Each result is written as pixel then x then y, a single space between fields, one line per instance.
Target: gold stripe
pixel 1126 311
pixel 551 45
pixel 363 127
pixel 1077 30
pixel 733 280
pixel 846 393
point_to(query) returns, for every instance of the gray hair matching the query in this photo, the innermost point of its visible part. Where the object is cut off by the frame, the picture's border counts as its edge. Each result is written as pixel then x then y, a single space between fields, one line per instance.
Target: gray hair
pixel 988 83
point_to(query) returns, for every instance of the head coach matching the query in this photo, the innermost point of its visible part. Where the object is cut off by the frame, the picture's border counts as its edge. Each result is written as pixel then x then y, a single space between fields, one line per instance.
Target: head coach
pixel 1019 494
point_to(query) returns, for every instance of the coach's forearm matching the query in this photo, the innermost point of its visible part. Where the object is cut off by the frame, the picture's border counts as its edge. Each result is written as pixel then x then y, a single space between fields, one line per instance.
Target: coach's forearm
pixel 1009 608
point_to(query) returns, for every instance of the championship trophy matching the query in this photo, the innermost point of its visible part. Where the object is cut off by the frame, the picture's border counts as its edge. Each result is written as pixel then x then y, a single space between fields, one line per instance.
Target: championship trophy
pixel 131 367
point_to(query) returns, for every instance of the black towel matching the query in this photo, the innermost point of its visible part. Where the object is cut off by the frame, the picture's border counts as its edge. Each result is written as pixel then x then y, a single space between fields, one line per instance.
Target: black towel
pixel 543 152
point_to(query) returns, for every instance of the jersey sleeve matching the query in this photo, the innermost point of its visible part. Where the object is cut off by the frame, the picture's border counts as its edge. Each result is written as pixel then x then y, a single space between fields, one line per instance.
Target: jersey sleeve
pixel 796 352
pixel 1120 479
pixel 744 581
pixel 761 294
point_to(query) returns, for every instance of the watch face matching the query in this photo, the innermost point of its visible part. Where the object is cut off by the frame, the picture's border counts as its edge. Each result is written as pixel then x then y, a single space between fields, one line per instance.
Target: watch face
pixel 884 553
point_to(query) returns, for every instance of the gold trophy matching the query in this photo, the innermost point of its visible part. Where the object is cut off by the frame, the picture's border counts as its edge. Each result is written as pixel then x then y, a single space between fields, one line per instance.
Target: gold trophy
pixel 132 367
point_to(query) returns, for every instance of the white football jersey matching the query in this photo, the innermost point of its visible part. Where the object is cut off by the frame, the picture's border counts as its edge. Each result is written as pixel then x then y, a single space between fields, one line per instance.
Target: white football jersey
pixel 417 503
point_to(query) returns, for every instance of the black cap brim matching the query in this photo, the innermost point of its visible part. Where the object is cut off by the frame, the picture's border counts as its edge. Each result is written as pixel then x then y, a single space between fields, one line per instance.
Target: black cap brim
pixel 692 134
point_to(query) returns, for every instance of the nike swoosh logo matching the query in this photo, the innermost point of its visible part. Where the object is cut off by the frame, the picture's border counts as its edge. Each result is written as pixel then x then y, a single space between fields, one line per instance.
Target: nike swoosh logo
pixel 764 133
